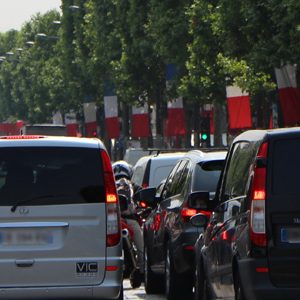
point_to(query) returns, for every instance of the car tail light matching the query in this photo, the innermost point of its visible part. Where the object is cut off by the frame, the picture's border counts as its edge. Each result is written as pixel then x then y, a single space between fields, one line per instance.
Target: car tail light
pixel 258 197
pixel 113 229
pixel 21 137
pixel 187 213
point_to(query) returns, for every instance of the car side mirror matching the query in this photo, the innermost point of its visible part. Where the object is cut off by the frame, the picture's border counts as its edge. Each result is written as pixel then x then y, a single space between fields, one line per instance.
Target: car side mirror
pixel 147 196
pixel 123 202
pixel 199 200
pixel 199 220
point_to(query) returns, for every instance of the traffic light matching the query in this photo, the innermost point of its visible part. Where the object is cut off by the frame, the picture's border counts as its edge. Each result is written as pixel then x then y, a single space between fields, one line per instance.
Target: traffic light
pixel 205 132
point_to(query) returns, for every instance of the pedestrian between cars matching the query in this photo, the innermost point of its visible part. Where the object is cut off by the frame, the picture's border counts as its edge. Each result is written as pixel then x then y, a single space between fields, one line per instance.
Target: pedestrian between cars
pixel 124 187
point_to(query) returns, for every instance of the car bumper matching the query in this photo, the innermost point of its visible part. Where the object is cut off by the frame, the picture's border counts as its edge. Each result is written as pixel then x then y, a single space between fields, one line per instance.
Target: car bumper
pixel 258 286
pixel 110 288
pixel 184 252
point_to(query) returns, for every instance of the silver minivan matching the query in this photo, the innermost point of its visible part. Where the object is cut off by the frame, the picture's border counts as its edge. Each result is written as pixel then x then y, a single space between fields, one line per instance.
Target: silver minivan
pixel 59 220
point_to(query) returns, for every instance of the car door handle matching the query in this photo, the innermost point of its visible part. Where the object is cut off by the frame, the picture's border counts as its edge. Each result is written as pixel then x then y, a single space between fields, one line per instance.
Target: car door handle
pixel 24 263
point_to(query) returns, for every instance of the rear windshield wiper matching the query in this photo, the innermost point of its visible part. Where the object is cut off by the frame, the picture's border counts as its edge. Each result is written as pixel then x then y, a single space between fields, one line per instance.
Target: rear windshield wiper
pixel 14 207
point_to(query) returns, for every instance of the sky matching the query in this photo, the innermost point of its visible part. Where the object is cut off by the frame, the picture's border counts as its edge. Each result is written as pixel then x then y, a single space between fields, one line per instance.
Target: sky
pixel 13 13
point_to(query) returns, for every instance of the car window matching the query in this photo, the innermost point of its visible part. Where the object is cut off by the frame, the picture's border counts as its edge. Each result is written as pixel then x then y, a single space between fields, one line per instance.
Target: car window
pixel 286 164
pixel 176 183
pixel 238 172
pixel 50 175
pixel 169 181
pixel 138 175
pixel 206 179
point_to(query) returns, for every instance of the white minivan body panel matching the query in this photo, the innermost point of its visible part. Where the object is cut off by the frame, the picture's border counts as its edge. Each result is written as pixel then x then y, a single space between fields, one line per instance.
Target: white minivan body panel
pixel 53 220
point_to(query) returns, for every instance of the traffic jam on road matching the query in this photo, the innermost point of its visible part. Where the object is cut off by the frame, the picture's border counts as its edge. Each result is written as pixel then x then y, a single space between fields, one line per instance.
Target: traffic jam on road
pixel 216 227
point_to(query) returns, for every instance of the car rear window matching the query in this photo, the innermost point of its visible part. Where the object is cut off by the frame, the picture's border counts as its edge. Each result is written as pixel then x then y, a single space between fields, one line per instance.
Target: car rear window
pixel 50 175
pixel 286 166
pixel 207 176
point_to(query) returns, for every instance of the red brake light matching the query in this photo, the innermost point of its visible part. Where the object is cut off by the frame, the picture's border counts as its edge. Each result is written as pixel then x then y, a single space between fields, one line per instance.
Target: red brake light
pixel 22 137
pixel 143 204
pixel 113 229
pixel 187 213
pixel 258 196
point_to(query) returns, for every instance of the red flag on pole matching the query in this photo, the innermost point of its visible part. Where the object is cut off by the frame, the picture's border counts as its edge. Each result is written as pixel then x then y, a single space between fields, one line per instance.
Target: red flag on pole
pixel 111 116
pixel 288 95
pixel 175 123
pixel 71 124
pixel 140 122
pixel 90 110
pixel 239 112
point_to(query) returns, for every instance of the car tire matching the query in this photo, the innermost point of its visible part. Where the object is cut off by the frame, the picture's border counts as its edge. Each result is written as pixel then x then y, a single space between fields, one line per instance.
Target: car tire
pixel 238 288
pixel 135 278
pixel 177 286
pixel 153 282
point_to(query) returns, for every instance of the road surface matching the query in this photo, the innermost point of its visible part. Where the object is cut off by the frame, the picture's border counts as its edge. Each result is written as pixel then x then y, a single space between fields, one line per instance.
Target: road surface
pixel 131 294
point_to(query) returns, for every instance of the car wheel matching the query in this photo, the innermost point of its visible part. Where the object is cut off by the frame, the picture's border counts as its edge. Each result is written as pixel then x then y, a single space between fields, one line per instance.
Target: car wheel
pixel 238 289
pixel 153 282
pixel 176 286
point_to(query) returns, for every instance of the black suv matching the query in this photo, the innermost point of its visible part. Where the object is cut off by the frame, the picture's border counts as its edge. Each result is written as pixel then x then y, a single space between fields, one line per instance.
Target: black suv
pixel 169 237
pixel 252 241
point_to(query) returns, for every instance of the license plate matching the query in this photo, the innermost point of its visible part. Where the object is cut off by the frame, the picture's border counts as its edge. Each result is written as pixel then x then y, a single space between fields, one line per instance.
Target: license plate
pixel 290 235
pixel 25 238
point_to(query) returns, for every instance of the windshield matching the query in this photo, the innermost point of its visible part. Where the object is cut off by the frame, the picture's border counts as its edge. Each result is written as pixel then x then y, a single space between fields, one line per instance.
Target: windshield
pixel 50 175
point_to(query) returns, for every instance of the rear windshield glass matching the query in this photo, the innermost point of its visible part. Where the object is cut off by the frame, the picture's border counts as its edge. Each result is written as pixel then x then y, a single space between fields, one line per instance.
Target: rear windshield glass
pixel 286 166
pixel 207 176
pixel 50 176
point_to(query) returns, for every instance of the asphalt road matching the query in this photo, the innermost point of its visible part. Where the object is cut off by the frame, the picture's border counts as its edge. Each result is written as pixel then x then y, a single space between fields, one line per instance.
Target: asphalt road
pixel 139 293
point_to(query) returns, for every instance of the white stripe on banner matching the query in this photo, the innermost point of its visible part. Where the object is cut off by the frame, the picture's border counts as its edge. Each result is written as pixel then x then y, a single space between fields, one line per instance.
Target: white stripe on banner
pixel 177 103
pixel 286 77
pixel 89 110
pixel 70 118
pixel 111 106
pixel 140 110
pixel 235 91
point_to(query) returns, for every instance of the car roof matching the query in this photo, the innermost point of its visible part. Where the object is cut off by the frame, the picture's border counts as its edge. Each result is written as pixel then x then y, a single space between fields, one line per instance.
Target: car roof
pixel 161 156
pixel 199 155
pixel 50 141
pixel 256 135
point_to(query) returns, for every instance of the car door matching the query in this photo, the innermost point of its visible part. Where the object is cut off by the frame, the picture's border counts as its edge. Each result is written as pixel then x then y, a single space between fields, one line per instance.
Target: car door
pixel 230 218
pixel 163 212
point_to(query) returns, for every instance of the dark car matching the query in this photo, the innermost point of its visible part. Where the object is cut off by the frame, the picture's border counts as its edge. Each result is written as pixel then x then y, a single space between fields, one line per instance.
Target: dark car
pixel 252 241
pixel 169 238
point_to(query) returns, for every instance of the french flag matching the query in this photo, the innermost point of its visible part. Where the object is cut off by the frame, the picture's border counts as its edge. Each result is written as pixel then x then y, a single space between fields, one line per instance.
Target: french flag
pixel 71 124
pixel 90 118
pixel 239 111
pixel 175 123
pixel 111 112
pixel 288 94
pixel 140 121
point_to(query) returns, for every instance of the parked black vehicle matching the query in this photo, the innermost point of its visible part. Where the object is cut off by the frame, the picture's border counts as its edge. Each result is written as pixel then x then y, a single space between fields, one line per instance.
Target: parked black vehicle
pixel 169 238
pixel 252 241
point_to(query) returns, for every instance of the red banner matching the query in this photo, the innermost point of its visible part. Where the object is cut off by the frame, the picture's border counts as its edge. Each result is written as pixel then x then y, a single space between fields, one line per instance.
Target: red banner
pixel 140 125
pixel 91 129
pixel 288 95
pixel 112 127
pixel 175 123
pixel 239 111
